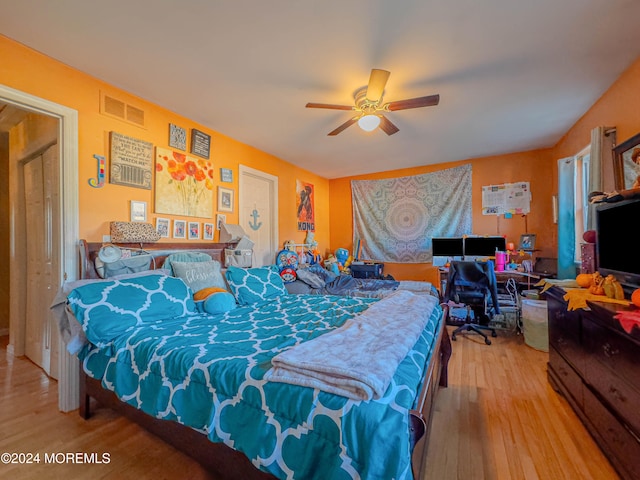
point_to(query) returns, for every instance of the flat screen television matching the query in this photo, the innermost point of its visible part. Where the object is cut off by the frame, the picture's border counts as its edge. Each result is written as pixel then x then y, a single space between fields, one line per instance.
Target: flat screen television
pixel 616 251
pixel 475 247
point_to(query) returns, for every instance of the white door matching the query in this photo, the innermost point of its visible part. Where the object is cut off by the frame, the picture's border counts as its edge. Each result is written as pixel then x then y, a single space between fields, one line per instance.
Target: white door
pixel 40 184
pixel 258 204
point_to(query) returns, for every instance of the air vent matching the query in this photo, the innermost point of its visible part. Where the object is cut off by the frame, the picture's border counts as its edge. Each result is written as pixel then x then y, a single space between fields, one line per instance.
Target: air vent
pixel 114 107
pixel 135 115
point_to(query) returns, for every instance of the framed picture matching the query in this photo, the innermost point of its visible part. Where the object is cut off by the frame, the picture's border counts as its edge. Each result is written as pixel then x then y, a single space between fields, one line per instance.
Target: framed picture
pixel 194 230
pixel 220 219
pixel 226 175
pixel 177 137
pixel 131 161
pixel 200 143
pixel 162 227
pixel 225 199
pixel 138 211
pixel 207 231
pixel 184 184
pixel 527 241
pixel 179 229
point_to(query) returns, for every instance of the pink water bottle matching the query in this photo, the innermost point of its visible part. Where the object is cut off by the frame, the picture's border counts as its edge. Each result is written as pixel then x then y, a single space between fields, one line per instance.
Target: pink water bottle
pixel 501 260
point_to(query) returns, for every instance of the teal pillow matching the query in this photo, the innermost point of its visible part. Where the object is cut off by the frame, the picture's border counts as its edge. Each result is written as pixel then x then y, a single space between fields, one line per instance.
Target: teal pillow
pixel 185 257
pixel 251 285
pixel 219 302
pixel 107 309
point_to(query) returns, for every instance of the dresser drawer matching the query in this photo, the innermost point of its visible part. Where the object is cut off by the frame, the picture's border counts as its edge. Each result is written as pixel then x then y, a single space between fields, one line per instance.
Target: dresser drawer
pixel 615 351
pixel 620 446
pixel 565 332
pixel 613 370
pixel 571 382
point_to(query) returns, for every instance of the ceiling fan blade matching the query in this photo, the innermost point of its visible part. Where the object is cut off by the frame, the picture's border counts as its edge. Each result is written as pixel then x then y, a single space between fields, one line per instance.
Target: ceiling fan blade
pixel 342 127
pixel 329 106
pixel 413 103
pixel 377 82
pixel 387 127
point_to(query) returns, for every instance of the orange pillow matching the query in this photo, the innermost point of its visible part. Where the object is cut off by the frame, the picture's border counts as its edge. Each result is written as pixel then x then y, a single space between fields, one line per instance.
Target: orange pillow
pixel 205 292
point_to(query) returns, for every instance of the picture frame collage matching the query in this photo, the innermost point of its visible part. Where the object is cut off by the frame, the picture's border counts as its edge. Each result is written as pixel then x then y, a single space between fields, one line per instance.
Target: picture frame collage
pixel 188 229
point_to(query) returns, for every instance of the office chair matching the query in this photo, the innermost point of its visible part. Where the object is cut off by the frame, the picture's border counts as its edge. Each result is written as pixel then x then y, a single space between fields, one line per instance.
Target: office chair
pixel 474 284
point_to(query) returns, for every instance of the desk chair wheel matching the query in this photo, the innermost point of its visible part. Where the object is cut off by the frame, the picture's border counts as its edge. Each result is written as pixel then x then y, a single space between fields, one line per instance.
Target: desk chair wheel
pixel 493 333
pixel 487 341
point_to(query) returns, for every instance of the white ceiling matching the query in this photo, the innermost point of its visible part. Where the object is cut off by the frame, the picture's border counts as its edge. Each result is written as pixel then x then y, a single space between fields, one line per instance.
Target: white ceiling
pixel 512 75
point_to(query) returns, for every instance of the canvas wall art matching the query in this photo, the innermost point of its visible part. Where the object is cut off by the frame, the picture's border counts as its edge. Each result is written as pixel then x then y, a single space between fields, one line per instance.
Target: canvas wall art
pixel 184 184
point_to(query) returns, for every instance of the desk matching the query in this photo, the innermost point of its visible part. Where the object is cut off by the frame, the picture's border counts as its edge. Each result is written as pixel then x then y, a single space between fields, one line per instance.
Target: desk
pixel 502 277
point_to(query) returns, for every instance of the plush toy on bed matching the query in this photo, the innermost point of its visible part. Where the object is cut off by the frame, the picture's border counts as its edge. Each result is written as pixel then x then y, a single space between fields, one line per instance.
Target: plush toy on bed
pixel 214 300
pixel 344 259
pixel 331 264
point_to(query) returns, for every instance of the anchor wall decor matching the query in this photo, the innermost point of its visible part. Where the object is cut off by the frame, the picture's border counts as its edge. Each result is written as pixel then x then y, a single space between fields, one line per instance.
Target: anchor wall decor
pixel 255 225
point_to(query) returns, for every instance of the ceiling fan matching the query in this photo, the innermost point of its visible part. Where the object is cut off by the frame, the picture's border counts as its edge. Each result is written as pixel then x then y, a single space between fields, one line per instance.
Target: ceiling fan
pixel 368 104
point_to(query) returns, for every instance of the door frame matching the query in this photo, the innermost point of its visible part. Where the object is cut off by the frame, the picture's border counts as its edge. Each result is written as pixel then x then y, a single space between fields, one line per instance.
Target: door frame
pixel 68 383
pixel 244 171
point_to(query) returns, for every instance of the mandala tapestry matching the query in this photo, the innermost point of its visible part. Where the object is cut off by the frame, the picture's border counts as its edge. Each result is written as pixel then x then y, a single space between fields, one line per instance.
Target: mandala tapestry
pixel 394 219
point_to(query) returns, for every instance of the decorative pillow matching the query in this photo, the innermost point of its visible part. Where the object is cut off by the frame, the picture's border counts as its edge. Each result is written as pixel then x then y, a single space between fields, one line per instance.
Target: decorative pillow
pixel 205 292
pixel 250 285
pixel 107 309
pixel 199 275
pixel 185 257
pixel 310 278
pixel 218 302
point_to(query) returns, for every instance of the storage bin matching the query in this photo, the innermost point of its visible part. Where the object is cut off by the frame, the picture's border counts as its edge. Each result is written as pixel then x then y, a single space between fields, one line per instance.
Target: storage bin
pixel 535 324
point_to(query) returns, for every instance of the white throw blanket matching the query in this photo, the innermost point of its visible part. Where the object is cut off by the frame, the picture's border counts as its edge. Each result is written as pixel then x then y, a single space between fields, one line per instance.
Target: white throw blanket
pixel 359 359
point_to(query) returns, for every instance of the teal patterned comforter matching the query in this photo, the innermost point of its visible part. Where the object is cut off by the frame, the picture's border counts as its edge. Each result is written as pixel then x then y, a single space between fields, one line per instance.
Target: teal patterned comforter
pixel 207 372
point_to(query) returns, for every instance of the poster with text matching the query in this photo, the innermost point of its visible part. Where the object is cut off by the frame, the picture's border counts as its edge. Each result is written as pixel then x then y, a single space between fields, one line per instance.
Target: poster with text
pixel 305 206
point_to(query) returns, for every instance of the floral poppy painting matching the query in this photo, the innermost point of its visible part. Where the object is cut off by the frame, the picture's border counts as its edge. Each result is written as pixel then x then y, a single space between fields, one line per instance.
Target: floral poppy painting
pixel 184 184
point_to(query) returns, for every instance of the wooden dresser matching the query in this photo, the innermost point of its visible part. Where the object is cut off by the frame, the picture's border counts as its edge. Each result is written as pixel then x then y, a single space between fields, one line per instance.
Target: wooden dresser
pixel 595 364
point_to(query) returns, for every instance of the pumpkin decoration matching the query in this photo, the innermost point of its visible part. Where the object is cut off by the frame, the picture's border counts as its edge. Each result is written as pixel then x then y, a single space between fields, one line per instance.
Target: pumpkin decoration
pixel 635 297
pixel 596 287
pixel 584 280
pixel 612 288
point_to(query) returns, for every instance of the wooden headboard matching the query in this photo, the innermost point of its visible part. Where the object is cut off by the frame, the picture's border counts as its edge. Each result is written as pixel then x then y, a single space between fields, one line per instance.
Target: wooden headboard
pixel 159 251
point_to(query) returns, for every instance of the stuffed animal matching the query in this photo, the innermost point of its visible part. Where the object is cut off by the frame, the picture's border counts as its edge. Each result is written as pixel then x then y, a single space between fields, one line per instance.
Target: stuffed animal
pixel 310 240
pixel 331 264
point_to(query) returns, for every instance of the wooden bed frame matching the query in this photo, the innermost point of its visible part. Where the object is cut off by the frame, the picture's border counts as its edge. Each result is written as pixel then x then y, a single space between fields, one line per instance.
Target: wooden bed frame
pixel 217 457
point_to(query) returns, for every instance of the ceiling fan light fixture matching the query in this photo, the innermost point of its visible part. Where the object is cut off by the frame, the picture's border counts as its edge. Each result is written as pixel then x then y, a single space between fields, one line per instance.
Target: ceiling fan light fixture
pixel 369 122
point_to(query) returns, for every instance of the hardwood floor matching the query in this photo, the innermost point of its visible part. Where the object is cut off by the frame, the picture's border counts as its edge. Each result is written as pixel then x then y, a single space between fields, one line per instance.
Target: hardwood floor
pixel 498 419
pixel 30 422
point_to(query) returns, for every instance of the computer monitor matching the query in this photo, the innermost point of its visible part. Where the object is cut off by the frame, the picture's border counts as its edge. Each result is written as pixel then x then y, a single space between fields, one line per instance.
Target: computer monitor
pixel 480 247
pixel 445 249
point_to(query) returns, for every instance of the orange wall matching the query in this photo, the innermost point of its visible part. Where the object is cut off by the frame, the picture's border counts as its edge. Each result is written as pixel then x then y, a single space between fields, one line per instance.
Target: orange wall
pixel 516 167
pixel 618 107
pixel 23 69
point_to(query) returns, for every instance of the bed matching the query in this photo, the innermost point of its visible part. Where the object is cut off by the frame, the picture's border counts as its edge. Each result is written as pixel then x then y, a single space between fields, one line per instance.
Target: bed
pixel 315 280
pixel 288 430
